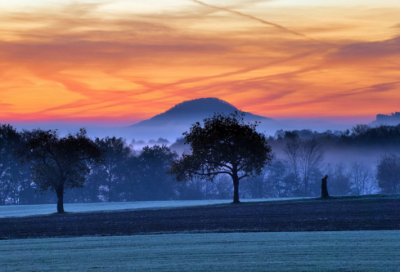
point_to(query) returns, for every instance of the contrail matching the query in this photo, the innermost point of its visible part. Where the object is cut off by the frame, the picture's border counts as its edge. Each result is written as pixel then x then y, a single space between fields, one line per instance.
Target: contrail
pixel 256 19
pixel 237 72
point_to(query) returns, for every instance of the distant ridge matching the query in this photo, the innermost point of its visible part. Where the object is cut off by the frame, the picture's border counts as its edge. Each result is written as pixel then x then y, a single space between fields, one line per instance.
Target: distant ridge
pixel 189 112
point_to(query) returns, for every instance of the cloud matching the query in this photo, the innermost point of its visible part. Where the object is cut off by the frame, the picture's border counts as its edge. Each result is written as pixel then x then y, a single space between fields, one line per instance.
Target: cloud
pixel 368 50
pixel 85 62
pixel 5 106
pixel 92 51
pixel 280 27
pixel 233 73
pixel 341 96
pixel 383 87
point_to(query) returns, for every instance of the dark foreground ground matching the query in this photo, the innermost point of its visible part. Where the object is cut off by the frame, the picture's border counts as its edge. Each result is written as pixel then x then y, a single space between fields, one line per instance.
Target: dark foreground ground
pixel 338 214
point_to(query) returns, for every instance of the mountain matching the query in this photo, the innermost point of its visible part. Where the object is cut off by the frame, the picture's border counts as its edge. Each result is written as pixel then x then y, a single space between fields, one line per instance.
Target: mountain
pixel 189 112
pixel 172 123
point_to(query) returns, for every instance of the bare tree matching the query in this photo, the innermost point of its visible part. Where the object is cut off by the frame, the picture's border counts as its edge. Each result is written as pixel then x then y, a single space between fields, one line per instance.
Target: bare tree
pixel 304 156
pixel 292 151
pixel 361 178
pixel 360 129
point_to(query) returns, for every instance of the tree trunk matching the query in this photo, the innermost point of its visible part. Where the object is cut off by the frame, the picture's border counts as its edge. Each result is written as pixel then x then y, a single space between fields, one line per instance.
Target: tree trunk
pixel 324 188
pixel 306 185
pixel 60 199
pixel 235 189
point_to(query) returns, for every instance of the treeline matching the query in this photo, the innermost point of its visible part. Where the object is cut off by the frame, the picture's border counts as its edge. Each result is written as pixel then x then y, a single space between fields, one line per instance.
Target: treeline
pixel 359 136
pixel 123 175
pixel 282 180
pixel 126 174
pixel 303 157
pixel 305 153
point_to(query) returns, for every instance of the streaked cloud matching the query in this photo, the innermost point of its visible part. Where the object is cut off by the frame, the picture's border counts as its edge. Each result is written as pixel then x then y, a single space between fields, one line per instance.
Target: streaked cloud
pixel 98 61
pixel 371 50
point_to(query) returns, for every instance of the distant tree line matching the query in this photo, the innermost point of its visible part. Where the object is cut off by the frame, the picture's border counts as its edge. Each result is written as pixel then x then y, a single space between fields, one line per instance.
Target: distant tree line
pixel 34 163
pixel 360 135
pixel 121 173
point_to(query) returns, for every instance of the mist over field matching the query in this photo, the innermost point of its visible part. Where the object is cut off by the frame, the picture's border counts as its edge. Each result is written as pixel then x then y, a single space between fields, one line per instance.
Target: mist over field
pixel 135 167
pixel 128 131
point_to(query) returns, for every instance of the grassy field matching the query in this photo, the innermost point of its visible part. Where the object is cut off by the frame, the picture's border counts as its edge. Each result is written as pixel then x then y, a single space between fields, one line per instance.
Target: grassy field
pixel 43 209
pixel 304 251
pixel 27 210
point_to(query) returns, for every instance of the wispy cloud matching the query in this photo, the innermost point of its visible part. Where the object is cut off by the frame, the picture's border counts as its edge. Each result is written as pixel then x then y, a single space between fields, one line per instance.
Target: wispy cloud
pixel 369 50
pixel 280 27
pixel 81 61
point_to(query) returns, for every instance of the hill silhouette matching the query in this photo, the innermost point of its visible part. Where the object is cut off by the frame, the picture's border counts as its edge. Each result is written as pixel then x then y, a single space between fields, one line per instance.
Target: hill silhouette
pixel 189 112
pixel 178 119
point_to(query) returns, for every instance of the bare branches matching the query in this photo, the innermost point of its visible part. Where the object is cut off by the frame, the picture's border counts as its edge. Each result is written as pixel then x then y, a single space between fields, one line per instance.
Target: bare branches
pixel 303 156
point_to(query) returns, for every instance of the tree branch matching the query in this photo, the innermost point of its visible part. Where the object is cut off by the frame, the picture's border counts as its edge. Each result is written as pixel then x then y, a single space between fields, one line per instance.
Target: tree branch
pixel 213 173
pixel 244 176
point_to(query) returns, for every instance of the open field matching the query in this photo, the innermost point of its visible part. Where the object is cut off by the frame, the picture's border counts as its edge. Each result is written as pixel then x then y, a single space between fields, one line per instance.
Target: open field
pixel 337 214
pixel 306 251
pixel 27 210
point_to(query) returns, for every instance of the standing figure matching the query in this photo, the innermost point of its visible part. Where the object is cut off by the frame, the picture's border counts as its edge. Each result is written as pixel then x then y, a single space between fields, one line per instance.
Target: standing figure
pixel 324 188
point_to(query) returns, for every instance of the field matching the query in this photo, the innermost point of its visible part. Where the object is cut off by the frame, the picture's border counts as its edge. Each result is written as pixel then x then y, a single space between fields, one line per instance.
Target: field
pixel 27 210
pixel 338 234
pixel 337 214
pixel 306 251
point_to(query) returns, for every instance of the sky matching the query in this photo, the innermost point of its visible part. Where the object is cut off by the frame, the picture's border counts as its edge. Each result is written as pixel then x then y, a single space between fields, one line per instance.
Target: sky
pixel 118 62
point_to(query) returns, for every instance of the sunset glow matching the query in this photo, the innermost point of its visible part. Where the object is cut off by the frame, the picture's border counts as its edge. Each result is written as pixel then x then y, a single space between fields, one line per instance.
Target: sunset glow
pixel 125 61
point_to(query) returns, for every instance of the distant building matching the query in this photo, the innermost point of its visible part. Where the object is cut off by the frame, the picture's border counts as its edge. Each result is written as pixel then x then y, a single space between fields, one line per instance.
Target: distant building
pixel 383 119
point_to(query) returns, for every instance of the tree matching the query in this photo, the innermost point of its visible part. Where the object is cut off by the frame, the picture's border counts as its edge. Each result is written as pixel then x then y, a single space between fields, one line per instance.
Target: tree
pixel 9 164
pixel 59 163
pixel 360 129
pixel 153 181
pixel 223 145
pixel 339 180
pixel 275 184
pixel 116 153
pixel 256 185
pixel 361 178
pixel 388 173
pixel 304 156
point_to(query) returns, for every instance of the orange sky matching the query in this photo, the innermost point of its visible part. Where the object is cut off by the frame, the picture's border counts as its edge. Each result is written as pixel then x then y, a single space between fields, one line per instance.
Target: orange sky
pixel 124 61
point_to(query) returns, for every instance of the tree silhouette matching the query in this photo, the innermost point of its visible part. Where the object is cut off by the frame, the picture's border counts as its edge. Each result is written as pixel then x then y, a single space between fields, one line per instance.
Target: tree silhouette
pixel 304 156
pixel 152 166
pixel 223 145
pixel 111 171
pixel 9 164
pixel 388 173
pixel 59 163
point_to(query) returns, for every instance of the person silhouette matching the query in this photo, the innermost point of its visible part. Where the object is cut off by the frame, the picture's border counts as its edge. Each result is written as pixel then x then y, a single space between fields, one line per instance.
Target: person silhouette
pixel 324 187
